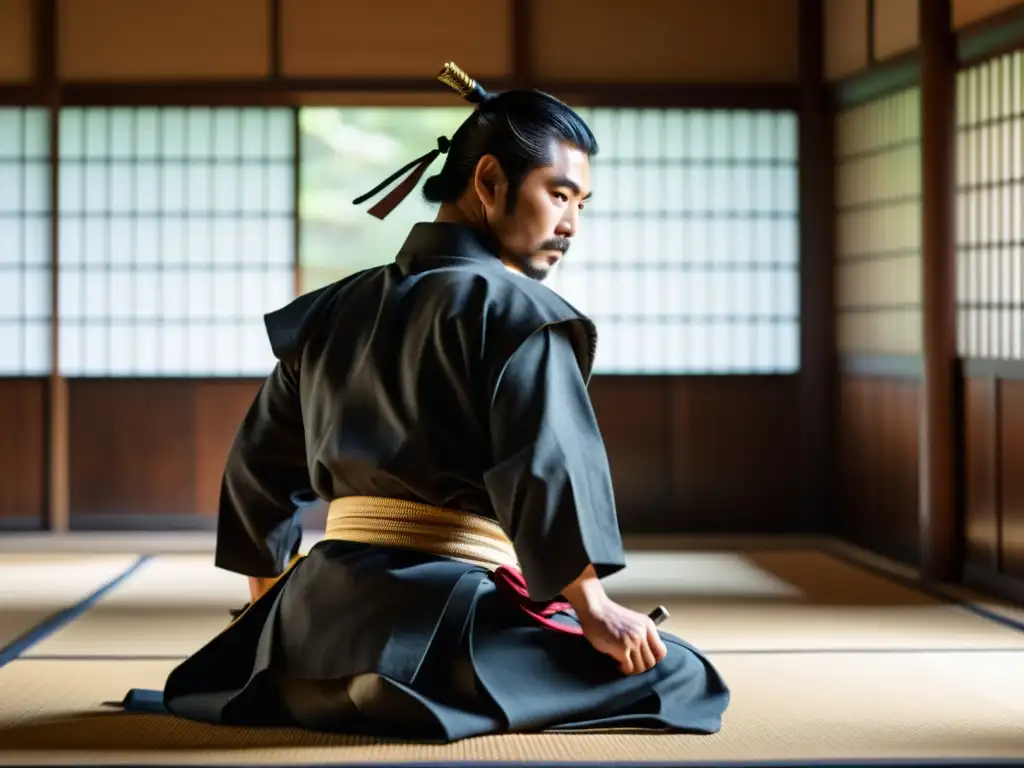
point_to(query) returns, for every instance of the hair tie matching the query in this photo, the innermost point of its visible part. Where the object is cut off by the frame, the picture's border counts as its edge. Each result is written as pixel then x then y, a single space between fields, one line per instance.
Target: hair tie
pixel 469 89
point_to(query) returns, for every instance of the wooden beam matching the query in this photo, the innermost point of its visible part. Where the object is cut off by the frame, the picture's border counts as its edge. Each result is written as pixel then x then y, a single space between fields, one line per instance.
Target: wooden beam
pixel 58 513
pixel 275 53
pixel 990 37
pixel 521 43
pixel 296 201
pixel 870 32
pixel 895 74
pixel 22 95
pixel 45 27
pixel 817 303
pixel 293 91
pixel 938 508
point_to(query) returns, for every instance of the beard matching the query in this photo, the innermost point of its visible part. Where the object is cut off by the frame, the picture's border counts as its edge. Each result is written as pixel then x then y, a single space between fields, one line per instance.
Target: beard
pixel 535 269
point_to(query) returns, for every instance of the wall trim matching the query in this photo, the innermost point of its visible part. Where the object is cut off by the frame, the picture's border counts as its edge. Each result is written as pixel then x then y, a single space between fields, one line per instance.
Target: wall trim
pixel 21 523
pixel 105 522
pixel 888 77
pixel 991 37
pixel 297 91
pixel 882 366
pixel 980 368
pixel 989 582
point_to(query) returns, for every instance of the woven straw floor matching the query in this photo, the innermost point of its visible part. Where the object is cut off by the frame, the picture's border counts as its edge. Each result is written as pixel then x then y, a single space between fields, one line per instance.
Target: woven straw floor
pixel 826 661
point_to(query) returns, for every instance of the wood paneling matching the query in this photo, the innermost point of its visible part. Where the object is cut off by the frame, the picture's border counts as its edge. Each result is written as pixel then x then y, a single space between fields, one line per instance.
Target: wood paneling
pixel 150 447
pixel 1011 432
pixel 896 27
pixel 396 38
pixel 16 37
pixel 969 11
pixel 22 452
pixel 219 408
pixel 878 449
pixel 981 476
pixel 993 557
pixel 163 39
pixel 713 454
pixel 631 412
pixel 724 40
pixel 846 37
pixel 735 459
pixel 130 446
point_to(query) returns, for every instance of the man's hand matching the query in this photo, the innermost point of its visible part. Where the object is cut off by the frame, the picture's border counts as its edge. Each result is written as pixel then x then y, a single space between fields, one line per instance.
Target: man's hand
pixel 629 637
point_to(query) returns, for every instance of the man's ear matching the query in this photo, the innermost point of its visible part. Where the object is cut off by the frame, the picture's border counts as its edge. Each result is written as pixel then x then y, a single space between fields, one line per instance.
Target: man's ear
pixel 489 183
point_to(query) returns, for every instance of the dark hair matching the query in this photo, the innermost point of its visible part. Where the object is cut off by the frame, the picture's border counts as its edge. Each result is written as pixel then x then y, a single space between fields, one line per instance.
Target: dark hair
pixel 518 128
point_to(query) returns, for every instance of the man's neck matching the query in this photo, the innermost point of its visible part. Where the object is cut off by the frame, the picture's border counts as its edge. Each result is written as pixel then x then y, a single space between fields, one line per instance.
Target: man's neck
pixel 453 213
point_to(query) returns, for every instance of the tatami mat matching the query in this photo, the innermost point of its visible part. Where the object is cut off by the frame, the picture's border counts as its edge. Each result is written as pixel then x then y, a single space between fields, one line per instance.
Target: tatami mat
pixel 814 706
pixel 168 607
pixel 768 601
pixel 35 586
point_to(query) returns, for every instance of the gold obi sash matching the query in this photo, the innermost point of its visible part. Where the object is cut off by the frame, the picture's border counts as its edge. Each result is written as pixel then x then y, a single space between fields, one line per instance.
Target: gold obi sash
pixel 411 525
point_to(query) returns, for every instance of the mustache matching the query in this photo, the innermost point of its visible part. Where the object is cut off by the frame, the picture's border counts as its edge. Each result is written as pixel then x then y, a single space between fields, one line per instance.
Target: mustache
pixel 555 244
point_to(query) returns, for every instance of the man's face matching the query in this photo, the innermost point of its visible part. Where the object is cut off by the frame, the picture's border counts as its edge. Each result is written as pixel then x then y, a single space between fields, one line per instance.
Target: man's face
pixel 546 216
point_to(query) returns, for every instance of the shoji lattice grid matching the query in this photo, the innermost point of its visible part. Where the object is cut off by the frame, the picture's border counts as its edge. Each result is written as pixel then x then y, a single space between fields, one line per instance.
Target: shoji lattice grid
pixel 878 199
pixel 990 209
pixel 25 283
pixel 688 254
pixel 176 236
pixel 688 257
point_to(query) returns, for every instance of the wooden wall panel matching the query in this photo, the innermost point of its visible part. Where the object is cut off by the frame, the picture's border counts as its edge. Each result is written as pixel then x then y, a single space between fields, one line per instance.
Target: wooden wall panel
pixel 149 452
pixel 1011 430
pixel 159 39
pixel 687 454
pixel 398 38
pixel 219 409
pixel 631 412
pixel 16 41
pixel 970 11
pixel 724 40
pixel 896 27
pixel 981 477
pixel 878 447
pixel 22 452
pixel 846 37
pixel 130 445
pixel 735 462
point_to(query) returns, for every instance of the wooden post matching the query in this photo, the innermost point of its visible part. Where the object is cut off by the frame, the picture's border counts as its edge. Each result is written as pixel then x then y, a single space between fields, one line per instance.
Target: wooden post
pixel 938 472
pixel 817 300
pixel 57 513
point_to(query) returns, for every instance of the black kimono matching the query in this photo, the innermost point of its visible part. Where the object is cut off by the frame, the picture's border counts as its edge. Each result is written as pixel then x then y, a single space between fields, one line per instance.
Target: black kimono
pixel 442 378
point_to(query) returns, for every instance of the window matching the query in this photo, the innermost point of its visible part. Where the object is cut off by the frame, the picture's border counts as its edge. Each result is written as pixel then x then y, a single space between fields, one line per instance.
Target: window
pixel 878 200
pixel 990 198
pixel 688 260
pixel 346 152
pixel 25 283
pixel 176 236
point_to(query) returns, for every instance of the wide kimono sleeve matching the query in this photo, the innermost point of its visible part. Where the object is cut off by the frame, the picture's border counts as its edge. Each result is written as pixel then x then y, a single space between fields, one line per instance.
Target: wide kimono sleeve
pixel 551 484
pixel 258 523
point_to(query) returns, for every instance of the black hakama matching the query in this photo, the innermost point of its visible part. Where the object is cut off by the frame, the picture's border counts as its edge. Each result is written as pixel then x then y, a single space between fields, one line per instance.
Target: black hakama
pixel 367 640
